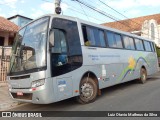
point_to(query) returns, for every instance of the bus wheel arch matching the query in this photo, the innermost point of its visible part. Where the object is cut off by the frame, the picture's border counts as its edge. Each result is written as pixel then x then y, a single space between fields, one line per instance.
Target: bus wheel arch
pixel 143 75
pixel 88 88
pixel 92 75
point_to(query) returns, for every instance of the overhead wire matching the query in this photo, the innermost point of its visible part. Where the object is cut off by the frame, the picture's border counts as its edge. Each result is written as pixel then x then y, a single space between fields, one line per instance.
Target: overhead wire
pixel 76 10
pixel 84 12
pixel 103 13
pixel 109 15
pixel 123 15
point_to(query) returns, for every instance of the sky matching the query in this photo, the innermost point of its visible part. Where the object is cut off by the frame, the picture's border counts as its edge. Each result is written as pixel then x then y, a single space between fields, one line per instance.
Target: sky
pixel 37 8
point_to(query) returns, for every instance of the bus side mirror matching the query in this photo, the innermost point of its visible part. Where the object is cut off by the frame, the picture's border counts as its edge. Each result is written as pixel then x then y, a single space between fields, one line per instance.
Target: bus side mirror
pixel 51 38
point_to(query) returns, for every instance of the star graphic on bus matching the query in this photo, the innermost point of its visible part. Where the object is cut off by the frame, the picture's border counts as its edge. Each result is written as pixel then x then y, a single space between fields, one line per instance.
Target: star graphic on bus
pixel 131 62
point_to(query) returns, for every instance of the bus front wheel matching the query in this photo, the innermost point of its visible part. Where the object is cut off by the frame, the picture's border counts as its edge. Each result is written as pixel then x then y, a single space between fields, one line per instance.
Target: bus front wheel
pixel 143 75
pixel 88 91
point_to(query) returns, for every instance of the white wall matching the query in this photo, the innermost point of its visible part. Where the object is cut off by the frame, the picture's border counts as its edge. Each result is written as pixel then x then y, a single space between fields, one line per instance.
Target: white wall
pixel 146 31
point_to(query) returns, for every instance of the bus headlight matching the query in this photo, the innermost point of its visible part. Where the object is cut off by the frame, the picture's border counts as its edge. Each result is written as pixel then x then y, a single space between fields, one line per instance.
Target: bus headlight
pixel 37 83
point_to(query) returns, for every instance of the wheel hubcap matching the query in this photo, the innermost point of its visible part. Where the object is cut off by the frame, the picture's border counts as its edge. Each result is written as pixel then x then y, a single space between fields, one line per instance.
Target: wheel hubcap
pixel 86 90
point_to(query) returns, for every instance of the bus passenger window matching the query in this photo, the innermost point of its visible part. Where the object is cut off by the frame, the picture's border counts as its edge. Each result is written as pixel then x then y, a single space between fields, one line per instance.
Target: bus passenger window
pixel 93 37
pixel 152 47
pixel 111 39
pixel 139 44
pixel 128 43
pixel 114 40
pixel 131 43
pixel 86 41
pixel 101 38
pixel 118 41
pixel 147 46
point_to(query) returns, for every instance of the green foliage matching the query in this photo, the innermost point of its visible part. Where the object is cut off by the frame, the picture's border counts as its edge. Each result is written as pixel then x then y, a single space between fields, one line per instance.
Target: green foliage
pixel 158 51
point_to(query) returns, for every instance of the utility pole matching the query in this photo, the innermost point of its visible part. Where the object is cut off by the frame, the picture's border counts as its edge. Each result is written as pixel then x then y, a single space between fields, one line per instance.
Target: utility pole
pixel 57 6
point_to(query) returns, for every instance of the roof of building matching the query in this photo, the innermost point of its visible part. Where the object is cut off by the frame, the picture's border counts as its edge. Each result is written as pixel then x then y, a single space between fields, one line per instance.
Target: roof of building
pixel 133 24
pixel 19 16
pixel 7 26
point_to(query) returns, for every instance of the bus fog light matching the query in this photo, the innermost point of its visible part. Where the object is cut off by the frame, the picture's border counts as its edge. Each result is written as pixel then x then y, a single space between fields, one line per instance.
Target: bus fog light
pixel 38 83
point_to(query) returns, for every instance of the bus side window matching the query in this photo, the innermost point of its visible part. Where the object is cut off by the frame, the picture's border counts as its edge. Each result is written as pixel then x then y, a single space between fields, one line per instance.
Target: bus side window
pixel 139 44
pixel 60 48
pixel 152 48
pixel 129 43
pixel 101 38
pixel 147 46
pixel 118 40
pixel 132 46
pixel 114 40
pixel 111 39
pixel 93 36
pixel 86 41
pixel 126 42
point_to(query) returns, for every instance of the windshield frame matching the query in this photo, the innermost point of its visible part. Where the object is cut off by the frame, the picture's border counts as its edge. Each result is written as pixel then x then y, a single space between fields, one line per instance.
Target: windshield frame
pixel 10 73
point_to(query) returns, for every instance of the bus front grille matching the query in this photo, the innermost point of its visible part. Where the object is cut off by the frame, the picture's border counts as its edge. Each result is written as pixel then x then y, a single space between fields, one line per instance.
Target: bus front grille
pixel 25 96
pixel 20 77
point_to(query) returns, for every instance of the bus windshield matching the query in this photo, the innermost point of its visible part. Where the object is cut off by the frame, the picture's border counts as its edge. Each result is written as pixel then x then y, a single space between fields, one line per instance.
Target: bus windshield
pixel 29 49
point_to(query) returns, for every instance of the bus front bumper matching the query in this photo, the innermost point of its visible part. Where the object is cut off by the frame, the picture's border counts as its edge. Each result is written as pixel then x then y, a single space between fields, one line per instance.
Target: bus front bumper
pixel 38 95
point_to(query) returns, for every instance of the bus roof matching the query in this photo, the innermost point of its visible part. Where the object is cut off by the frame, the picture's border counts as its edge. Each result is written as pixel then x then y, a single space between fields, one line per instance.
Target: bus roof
pixel 91 24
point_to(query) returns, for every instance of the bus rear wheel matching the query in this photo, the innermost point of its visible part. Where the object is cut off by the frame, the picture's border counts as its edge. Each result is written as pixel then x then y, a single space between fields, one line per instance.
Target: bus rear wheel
pixel 143 75
pixel 88 91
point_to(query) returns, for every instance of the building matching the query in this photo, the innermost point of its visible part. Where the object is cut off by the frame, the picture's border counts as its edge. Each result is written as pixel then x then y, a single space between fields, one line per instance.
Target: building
pixel 20 20
pixel 8 32
pixel 146 26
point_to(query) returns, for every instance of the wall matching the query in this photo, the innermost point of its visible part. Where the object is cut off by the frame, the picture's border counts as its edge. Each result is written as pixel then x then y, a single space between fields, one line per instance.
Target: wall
pixel 4 64
pixel 147 31
pixel 156 31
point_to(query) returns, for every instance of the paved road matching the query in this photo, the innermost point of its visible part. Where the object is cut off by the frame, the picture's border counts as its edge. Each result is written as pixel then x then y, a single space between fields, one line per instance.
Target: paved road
pixel 130 96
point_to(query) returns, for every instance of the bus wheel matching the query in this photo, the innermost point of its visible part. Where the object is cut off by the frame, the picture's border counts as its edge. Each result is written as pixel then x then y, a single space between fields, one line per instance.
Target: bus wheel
pixel 143 75
pixel 88 91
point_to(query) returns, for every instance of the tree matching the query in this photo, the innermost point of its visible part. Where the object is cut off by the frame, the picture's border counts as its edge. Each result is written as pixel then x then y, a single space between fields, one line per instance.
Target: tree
pixel 158 51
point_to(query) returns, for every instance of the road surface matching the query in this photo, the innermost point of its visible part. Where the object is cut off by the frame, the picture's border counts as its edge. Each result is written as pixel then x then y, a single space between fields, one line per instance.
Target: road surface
pixel 130 96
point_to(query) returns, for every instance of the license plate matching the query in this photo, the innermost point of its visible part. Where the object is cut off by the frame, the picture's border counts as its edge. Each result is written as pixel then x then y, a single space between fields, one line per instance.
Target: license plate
pixel 20 93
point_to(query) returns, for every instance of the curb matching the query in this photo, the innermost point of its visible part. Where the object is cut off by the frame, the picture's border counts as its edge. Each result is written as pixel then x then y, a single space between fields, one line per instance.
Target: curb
pixel 6 106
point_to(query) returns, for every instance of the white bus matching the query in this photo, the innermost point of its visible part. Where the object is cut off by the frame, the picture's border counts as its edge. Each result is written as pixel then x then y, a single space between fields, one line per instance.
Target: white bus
pixel 58 57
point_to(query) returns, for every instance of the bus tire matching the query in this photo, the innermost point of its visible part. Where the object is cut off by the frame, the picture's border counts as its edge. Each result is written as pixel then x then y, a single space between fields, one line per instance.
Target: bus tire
pixel 88 91
pixel 143 76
